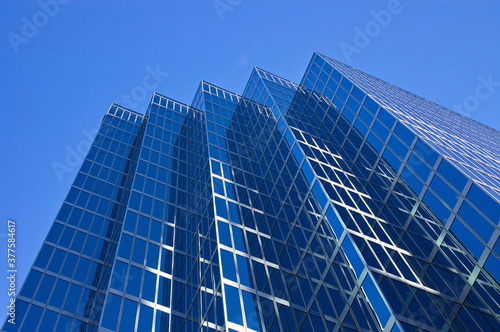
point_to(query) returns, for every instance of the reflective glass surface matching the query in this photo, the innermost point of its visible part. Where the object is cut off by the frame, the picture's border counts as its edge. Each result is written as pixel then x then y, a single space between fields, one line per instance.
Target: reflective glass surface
pixel 339 204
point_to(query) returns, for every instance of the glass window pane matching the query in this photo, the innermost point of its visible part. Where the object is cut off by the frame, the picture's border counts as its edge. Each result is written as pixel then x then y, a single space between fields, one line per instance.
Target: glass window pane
pixel 45 288
pixel 404 134
pixel 470 241
pixel 44 256
pixel 252 317
pixel 228 268
pixel 221 207
pixel 127 322
pixel 425 152
pixel 239 242
pixel 34 314
pixel 444 191
pixel 244 270
pixel 149 286
pixel 476 221
pixel 31 284
pixel 139 251
pixel 224 234
pixel 49 321
pixel 484 203
pixel 145 319
pixel 134 279
pixel 164 290
pixel 73 298
pixel 59 293
pixel 452 175
pixel 233 306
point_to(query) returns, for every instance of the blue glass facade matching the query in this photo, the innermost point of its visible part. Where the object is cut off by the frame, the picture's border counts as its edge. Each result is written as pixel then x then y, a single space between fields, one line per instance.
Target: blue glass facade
pixel 339 204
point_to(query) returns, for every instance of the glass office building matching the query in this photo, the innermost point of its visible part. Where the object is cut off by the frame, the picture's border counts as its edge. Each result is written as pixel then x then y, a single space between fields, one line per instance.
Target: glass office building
pixel 342 203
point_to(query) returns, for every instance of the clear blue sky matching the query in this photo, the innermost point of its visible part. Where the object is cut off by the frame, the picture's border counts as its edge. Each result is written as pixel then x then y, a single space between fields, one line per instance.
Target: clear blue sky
pixel 62 66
